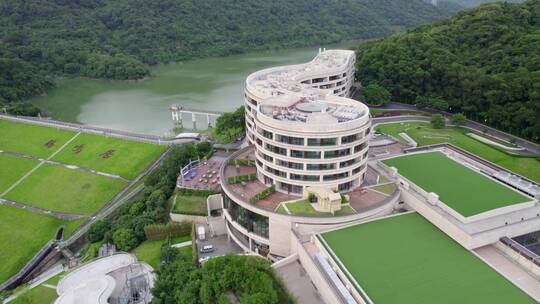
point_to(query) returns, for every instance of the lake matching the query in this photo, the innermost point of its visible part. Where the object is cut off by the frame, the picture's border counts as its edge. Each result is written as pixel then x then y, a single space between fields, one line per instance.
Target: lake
pixel 143 106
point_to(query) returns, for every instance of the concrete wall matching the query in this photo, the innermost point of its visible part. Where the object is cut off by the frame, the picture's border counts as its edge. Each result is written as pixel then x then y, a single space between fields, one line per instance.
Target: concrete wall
pixel 529 266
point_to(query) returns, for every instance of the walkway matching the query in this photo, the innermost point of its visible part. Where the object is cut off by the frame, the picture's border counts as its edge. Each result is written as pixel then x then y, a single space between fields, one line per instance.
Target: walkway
pixel 60 215
pixel 297 280
pixel 514 273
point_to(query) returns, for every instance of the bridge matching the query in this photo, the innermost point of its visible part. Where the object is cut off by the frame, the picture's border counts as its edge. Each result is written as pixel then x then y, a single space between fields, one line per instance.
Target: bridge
pixel 178 110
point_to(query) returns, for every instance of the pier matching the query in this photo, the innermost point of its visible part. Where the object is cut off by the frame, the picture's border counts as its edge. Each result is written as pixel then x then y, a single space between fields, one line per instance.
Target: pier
pixel 177 111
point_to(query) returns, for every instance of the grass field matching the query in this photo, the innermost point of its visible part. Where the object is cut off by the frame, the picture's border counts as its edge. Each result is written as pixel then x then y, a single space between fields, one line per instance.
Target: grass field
pixel 31 139
pixel 22 234
pixel 303 207
pixel 111 155
pixel 459 187
pixel 65 190
pixel 39 294
pixel 423 134
pixel 386 189
pixel 150 251
pixel 406 260
pixel 194 205
pixel 12 168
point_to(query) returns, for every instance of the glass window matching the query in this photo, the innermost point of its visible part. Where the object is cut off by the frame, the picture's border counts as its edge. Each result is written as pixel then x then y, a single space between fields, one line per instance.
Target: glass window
pixel 299 141
pixel 305 154
pixel 337 153
pixel 277 150
pixel 308 178
pixel 291 165
pixel 316 142
pixel 332 177
pixel 316 167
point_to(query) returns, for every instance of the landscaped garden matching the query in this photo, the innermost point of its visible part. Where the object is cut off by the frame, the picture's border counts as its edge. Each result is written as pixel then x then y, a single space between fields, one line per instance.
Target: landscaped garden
pixel 191 205
pixel 150 251
pixel 405 259
pixel 304 207
pixel 12 168
pixel 386 188
pixel 424 134
pixel 41 294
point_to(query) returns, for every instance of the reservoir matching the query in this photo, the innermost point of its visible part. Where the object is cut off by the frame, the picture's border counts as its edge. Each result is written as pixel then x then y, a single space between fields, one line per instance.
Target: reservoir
pixel 214 84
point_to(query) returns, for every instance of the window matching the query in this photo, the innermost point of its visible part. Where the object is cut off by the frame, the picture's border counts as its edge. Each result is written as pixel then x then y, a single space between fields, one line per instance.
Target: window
pixel 291 188
pixel 358 169
pixel 359 147
pixel 308 178
pixel 291 165
pixel 266 157
pixel 349 162
pixel 367 131
pixel 337 153
pixel 350 138
pixel 306 154
pixel 299 141
pixel 277 150
pixel 332 177
pixel 267 134
pixel 276 172
pixel 322 142
pixel 317 167
pixel 251 221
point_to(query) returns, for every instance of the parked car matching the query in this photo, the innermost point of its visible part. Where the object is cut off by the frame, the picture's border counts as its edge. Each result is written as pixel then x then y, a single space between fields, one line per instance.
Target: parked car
pixel 207 248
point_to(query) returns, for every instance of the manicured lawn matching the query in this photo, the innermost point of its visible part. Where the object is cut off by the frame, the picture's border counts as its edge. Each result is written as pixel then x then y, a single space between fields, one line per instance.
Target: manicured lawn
pixel 459 187
pixel 303 207
pixel 386 189
pixel 111 155
pixel 404 259
pixel 423 134
pixel 150 251
pixel 194 205
pixel 32 139
pixel 22 234
pixel 280 209
pixel 66 190
pixel 12 168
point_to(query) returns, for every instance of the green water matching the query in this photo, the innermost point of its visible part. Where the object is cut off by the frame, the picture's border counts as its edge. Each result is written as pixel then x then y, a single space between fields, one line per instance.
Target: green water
pixel 143 106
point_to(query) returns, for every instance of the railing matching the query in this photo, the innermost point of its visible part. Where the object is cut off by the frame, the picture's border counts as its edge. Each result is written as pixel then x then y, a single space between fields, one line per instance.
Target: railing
pixel 522 250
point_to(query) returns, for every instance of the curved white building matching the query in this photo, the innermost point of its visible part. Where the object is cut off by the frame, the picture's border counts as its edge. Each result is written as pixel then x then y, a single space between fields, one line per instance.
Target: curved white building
pixel 306 132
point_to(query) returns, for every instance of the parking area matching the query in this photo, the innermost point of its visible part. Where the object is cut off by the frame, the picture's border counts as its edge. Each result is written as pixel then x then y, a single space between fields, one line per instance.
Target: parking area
pixel 222 246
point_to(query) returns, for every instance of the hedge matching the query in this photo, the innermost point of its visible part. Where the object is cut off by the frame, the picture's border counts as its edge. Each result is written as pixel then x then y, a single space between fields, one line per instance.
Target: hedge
pixel 196 192
pixel 241 178
pixel 266 192
pixel 241 162
pixel 162 231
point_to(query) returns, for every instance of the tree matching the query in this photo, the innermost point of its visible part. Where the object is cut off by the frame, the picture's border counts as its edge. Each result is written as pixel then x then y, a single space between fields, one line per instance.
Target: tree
pixel 97 231
pixel 437 121
pixel 231 125
pixel 125 239
pixel 458 119
pixel 376 95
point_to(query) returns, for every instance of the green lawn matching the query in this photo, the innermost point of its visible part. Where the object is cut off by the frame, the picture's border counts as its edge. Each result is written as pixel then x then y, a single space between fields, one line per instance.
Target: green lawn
pixel 280 209
pixel 150 251
pixel 31 139
pixel 39 294
pixel 303 207
pixel 22 234
pixel 459 187
pixel 423 134
pixel 386 189
pixel 405 259
pixel 190 204
pixel 124 158
pixel 66 190
pixel 12 168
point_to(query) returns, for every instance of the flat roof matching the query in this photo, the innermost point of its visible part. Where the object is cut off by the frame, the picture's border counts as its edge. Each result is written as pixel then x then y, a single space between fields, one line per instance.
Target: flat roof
pixel 466 191
pixel 405 259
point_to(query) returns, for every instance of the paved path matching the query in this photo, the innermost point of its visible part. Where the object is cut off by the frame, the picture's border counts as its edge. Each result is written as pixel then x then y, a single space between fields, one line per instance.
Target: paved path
pixel 183 244
pixel 39 165
pixel 514 273
pixel 60 215
pixel 68 166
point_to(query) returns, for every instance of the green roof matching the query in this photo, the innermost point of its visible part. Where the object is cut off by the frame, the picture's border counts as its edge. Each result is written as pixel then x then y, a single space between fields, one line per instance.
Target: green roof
pixel 462 189
pixel 405 259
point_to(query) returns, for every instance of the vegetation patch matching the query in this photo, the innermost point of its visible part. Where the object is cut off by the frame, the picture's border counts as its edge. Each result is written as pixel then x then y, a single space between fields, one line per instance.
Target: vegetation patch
pixel 423 134
pixel 23 234
pixel 12 168
pixel 241 178
pixel 65 190
pixel 432 267
pixel 304 207
pixel 33 140
pixel 462 189
pixel 150 251
pixel 111 155
pixel 263 194
pixel 191 205
pixel 386 189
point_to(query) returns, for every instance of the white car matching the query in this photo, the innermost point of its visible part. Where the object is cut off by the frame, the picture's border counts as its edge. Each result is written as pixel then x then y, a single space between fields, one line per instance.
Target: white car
pixel 207 248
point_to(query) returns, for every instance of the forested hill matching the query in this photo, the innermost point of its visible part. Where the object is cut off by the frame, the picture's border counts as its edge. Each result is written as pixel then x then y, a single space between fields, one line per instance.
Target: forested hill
pixel 117 39
pixel 471 3
pixel 484 62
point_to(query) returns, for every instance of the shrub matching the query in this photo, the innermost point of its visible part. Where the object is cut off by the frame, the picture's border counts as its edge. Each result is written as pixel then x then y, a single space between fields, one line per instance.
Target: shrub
pixel 241 162
pixel 163 231
pixel 196 192
pixel 97 231
pixel 266 192
pixel 437 121
pixel 241 178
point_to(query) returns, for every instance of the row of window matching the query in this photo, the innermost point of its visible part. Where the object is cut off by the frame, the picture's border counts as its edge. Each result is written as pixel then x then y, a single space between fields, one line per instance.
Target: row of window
pixel 312 142
pixel 313 178
pixel 312 167
pixel 251 221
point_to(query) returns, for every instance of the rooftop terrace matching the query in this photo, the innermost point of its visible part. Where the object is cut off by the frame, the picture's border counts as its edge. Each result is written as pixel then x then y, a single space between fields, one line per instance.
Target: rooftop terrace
pixel 404 259
pixel 463 189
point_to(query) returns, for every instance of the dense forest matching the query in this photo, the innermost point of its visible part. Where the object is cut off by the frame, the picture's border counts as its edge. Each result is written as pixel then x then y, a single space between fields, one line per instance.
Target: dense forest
pixel 484 62
pixel 118 39
pixel 471 3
